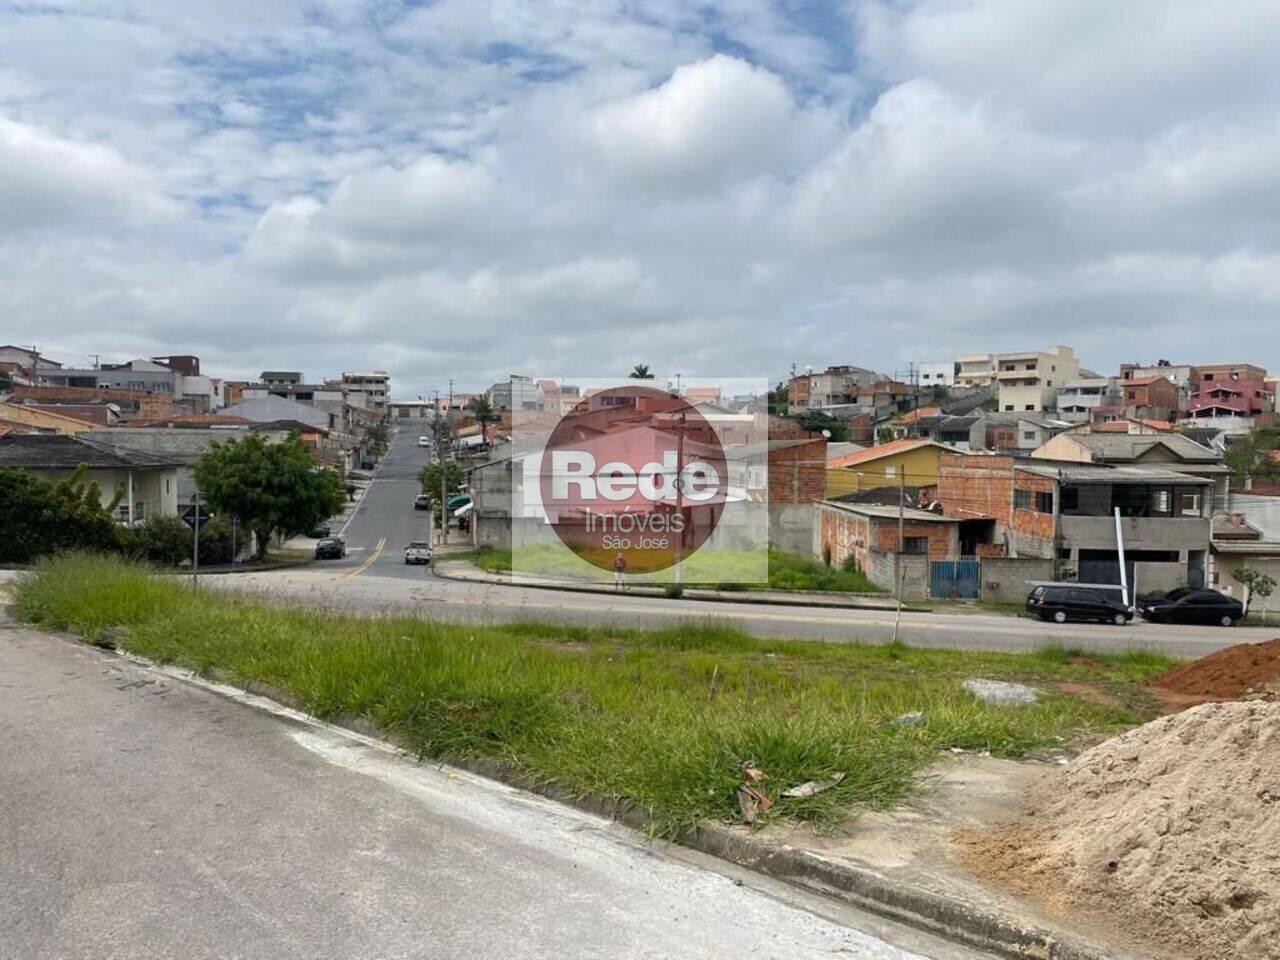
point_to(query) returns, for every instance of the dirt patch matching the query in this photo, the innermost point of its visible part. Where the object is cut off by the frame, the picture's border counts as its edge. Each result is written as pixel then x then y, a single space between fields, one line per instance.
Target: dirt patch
pixel 1171 831
pixel 1091 693
pixel 1226 675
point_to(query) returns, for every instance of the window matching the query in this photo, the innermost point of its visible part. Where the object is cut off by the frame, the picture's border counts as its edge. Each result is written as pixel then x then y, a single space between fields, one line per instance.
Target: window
pixel 1044 503
pixel 1133 394
pixel 1160 501
pixel 890 472
pixel 1022 499
pixel 1030 366
pixel 1189 504
pixel 1069 499
pixel 915 545
pixel 1028 435
pixel 1008 406
pixel 166 484
pixel 1030 406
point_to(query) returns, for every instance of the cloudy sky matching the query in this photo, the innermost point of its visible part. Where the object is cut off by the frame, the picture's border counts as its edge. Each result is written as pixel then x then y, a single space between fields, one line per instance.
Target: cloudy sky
pixel 567 187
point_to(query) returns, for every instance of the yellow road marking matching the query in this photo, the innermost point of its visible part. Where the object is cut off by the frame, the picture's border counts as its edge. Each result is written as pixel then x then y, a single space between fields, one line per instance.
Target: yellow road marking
pixel 377 550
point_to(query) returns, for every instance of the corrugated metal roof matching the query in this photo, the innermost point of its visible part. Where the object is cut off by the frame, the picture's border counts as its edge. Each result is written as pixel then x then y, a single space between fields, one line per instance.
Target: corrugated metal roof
pixel 882 512
pixel 38 451
pixel 1085 473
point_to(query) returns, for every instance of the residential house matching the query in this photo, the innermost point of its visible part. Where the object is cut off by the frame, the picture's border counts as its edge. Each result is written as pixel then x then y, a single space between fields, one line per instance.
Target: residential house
pixel 148 484
pixel 963 432
pixel 1067 513
pixel 877 536
pixel 192 390
pixel 1029 381
pixel 937 375
pixel 46 417
pixel 130 404
pixel 835 386
pixel 797 480
pixel 1079 398
pixel 1235 398
pixel 1239 543
pixel 28 358
pixel 911 463
pixel 1169 451
pixel 975 370
pixel 1184 376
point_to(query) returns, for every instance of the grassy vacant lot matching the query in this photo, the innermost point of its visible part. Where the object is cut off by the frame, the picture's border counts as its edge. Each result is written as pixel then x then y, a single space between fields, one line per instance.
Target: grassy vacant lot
pixel 787 571
pixel 661 718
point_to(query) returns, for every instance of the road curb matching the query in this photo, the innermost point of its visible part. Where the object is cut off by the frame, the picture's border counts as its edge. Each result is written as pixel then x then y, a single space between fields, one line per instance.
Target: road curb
pixel 860 887
pixel 701 596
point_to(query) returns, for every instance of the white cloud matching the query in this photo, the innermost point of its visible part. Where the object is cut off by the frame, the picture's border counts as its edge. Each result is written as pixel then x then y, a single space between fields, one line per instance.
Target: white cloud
pixel 462 190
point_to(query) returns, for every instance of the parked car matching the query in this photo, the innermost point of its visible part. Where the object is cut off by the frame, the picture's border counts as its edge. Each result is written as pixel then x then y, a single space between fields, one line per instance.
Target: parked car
pixel 320 531
pixel 419 551
pixel 1193 606
pixel 1061 602
pixel 422 502
pixel 331 548
pixel 424 441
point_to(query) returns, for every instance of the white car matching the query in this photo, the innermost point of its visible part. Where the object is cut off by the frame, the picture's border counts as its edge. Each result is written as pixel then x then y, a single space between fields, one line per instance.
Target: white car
pixel 424 441
pixel 419 551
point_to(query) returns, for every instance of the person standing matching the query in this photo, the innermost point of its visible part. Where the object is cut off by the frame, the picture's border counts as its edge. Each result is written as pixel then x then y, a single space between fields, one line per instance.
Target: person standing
pixel 619 568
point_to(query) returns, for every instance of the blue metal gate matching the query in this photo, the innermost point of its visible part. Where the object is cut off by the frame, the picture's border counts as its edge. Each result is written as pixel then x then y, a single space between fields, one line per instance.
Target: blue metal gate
pixel 954 579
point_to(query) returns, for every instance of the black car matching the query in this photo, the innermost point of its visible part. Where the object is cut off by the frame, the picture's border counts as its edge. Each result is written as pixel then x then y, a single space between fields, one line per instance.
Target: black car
pixel 1061 602
pixel 331 548
pixel 1192 606
pixel 320 531
pixel 422 502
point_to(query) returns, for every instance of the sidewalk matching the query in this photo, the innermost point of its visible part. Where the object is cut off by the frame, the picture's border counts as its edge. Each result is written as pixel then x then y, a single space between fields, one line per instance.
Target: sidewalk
pixel 464 570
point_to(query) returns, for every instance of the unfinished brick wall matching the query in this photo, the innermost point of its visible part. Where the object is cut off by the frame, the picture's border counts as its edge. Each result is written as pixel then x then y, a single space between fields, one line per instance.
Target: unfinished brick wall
pixel 975 485
pixel 798 473
pixel 1031 522
pixel 849 534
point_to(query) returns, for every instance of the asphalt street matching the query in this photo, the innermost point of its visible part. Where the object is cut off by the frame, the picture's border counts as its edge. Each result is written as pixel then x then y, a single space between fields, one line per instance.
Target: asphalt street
pixel 385 521
pixel 149 817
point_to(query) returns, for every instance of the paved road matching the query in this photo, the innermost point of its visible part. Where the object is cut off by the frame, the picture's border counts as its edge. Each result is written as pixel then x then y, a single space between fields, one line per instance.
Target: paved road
pixel 385 521
pixel 145 817
pixel 434 598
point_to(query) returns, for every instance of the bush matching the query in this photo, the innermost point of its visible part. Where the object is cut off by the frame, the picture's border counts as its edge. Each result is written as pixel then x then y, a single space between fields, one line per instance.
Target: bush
pixel 163 541
pixel 850 564
pixel 673 591
pixel 38 517
pixel 215 541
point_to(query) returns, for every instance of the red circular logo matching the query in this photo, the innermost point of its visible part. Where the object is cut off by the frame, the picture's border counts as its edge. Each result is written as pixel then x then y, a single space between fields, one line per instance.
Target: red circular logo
pixel 633 479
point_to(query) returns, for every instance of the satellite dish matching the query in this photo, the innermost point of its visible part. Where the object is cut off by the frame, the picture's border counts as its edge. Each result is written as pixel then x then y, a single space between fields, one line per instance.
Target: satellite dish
pixel 827 434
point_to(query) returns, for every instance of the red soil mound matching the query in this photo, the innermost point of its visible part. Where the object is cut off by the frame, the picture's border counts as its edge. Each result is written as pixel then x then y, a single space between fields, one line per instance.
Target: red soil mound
pixel 1225 675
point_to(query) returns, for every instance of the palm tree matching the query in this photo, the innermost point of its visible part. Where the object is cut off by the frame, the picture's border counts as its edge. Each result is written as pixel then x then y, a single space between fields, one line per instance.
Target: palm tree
pixel 482 410
pixel 640 372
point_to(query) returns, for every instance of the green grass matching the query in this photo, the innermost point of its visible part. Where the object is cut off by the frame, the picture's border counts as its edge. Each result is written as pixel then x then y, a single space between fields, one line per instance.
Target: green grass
pixel 787 571
pixel 661 718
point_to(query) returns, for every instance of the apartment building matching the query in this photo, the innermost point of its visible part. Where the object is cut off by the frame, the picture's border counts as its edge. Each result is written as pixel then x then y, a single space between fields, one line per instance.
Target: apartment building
pixel 517 393
pixel 1029 381
pixel 975 370
pixel 937 375
pixel 372 386
pixel 178 378
pixel 1233 397
pixel 1079 398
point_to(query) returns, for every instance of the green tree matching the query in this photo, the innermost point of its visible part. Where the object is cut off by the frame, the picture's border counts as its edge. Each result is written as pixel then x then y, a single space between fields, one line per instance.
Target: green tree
pixel 1256 583
pixel 1253 457
pixel 430 477
pixel 815 421
pixel 640 372
pixel 271 487
pixel 779 400
pixel 38 517
pixel 377 437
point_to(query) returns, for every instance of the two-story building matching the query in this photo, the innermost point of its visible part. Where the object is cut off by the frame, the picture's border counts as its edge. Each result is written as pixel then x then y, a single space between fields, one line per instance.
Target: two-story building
pixel 1080 397
pixel 1081 515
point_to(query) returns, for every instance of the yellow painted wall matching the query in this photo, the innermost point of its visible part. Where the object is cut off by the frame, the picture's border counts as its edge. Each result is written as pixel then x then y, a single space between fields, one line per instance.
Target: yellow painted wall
pixel 920 466
pixel 68 426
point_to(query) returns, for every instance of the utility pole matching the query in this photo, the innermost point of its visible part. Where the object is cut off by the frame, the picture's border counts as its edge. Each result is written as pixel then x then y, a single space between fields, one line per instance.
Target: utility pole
pixel 679 496
pixel 900 567
pixel 195 548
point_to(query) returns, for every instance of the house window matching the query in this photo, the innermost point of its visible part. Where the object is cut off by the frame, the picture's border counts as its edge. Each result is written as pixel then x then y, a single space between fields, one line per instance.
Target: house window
pixel 166 484
pixel 1022 499
pixel 1028 435
pixel 1133 394
pixel 1030 406
pixel 915 545
pixel 1189 504
pixel 1069 499
pixel 890 472
pixel 1044 503
pixel 1030 366
pixel 1008 406
pixel 1160 500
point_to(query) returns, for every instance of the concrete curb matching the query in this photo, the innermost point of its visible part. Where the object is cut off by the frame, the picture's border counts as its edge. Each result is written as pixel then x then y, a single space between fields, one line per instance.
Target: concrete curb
pixel 860 887
pixel 809 599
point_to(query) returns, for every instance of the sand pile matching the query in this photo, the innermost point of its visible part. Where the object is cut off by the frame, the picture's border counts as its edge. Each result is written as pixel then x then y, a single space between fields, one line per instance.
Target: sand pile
pixel 1227 674
pixel 1170 831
